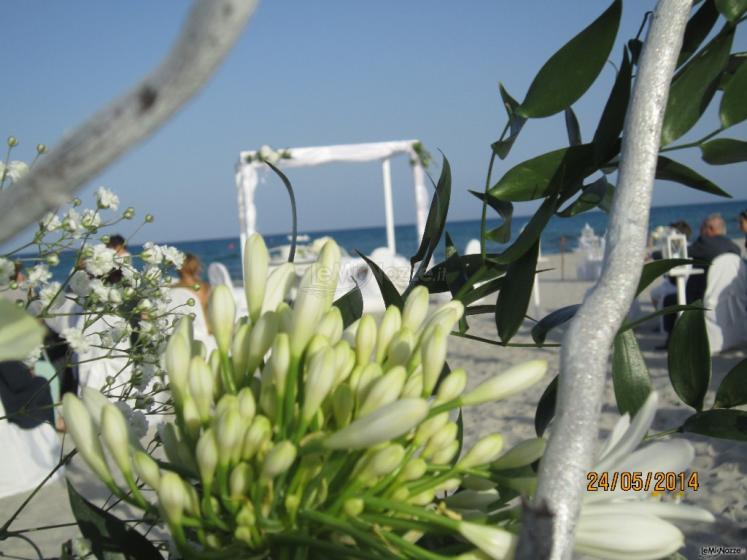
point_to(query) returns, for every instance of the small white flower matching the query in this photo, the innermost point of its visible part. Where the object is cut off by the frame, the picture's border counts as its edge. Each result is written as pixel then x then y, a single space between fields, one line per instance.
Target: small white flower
pixel 71 222
pixel 120 331
pixel 101 260
pixel 39 275
pixel 7 271
pixel 90 219
pixel 80 283
pixel 152 253
pixel 152 275
pixel 106 198
pixel 173 255
pixel 15 170
pixel 51 295
pixel 33 357
pixel 51 222
pixel 76 339
pixel 99 290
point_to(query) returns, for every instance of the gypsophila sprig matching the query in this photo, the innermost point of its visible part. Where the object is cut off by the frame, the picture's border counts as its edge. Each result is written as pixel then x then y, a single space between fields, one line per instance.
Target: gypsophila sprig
pixel 294 429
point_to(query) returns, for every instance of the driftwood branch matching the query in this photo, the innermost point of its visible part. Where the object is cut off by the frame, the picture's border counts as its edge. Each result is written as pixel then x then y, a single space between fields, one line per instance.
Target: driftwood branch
pixel 588 342
pixel 208 35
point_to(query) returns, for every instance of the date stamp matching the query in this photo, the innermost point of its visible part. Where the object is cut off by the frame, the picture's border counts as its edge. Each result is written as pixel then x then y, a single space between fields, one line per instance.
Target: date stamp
pixel 634 481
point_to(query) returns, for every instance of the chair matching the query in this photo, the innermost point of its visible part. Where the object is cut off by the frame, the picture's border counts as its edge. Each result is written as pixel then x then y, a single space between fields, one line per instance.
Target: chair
pixel 591 247
pixel 179 298
pixel 29 456
pixel 726 302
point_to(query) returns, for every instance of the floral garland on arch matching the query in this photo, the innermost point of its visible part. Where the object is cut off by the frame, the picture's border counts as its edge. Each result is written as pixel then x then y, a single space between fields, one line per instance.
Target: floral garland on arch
pixel 268 154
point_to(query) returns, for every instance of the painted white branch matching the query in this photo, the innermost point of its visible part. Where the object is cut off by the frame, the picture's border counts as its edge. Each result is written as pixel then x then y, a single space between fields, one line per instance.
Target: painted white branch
pixel 588 342
pixel 208 35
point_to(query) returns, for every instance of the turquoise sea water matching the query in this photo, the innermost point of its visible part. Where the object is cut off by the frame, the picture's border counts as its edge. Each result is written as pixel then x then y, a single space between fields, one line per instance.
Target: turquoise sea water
pixel 227 250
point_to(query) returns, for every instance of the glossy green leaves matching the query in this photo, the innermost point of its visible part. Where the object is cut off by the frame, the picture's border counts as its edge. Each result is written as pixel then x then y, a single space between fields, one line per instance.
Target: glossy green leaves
pixel 733 108
pixel 567 75
pixel 693 87
pixel 350 306
pixel 513 299
pixel 670 170
pixel 630 376
pixel 689 358
pixel 733 389
pixel 731 9
pixel 723 151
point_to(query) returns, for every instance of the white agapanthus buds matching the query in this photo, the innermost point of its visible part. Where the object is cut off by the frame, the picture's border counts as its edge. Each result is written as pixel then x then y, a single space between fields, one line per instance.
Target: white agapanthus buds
pixel 512 381
pixel 82 430
pixel 256 265
pixel 221 315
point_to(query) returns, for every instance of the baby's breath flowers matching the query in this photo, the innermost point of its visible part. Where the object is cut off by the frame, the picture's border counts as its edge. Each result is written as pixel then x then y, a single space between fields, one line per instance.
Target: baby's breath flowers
pixel 296 434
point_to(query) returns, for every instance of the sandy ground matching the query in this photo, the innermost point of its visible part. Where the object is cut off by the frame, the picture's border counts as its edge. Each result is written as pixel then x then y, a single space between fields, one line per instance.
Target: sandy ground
pixel 721 464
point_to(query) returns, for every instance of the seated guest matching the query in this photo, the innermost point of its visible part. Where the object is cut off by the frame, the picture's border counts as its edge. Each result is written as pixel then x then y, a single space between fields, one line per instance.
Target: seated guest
pixel 711 243
pixel 190 276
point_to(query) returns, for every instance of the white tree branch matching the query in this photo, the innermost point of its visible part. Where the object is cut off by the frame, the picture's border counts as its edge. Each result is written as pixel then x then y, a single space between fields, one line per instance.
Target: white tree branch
pixel 549 524
pixel 208 35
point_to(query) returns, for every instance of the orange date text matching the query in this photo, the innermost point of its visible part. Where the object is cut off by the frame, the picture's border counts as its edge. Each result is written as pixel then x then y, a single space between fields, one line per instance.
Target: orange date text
pixel 633 481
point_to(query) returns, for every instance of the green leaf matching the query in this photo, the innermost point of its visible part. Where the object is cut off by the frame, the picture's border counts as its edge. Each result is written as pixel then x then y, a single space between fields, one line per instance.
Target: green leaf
pixel 20 333
pixel 669 309
pixel 724 151
pixel 545 174
pixel 552 320
pixel 350 306
pixel 691 87
pixel 459 438
pixel 731 9
pixel 670 170
pixel 505 210
pixel 697 30
pixel 294 216
pixel 435 278
pixel 635 46
pixel 736 61
pixel 456 276
pixel 724 424
pixel 630 376
pixel 733 389
pixel 606 137
pixel 388 291
pixel 434 224
pixel 689 358
pixel 567 75
pixel 482 291
pixel 546 407
pixel 572 128
pixel 733 108
pixel 513 299
pixel 530 234
pixel 515 123
pixel 592 196
pixel 107 533
pixel 652 270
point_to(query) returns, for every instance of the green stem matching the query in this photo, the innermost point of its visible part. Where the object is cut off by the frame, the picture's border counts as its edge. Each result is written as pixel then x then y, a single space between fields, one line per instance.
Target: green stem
pixel 345 527
pixel 692 144
pixel 345 551
pixel 412 549
pixel 227 373
pixel 416 512
pixel 484 218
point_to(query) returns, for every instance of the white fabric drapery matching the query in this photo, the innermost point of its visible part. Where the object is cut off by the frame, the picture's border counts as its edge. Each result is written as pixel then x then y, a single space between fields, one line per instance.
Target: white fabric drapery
pixel 248 174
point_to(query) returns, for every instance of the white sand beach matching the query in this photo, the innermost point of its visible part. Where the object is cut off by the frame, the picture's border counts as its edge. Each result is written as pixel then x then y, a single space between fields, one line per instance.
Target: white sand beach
pixel 721 464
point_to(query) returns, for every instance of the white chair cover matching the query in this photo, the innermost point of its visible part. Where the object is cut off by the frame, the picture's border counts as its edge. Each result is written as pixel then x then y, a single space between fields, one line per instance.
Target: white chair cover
pixel 726 301
pixel 591 247
pixel 218 274
pixel 28 456
pixel 179 298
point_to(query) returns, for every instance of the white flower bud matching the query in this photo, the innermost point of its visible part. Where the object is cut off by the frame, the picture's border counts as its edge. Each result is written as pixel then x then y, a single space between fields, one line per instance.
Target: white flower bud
pixel 240 352
pixel 330 326
pixel 221 315
pixel 228 435
pixel 452 386
pixel 470 499
pixel 353 507
pixel 191 417
pixel 521 454
pixel 279 283
pixel 147 469
pixel 413 470
pixel 400 348
pixel 261 338
pixel 178 356
pixel 496 543
pixel 247 404
pixel 446 316
pixel 423 499
pixel 172 497
pixel 430 427
pixel 384 390
pixel 344 361
pixel 319 380
pixel 512 381
pixel 433 354
pixel 279 459
pixel 95 403
pixel 445 454
pixel 116 436
pixel 240 481
pixel 484 451
pixel 315 295
pixel 388 422
pixel 185 327
pixel 368 375
pixel 441 439
pixel 416 308
pixel 259 432
pixel 206 453
pixel 390 325
pixel 280 361
pixel 413 386
pixel 365 339
pixel 385 460
pixel 256 264
pixel 80 427
pixel 201 387
pixel 342 405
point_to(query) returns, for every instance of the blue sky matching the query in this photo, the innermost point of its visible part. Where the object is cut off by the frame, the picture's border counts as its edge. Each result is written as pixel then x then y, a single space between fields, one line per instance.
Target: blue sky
pixel 305 74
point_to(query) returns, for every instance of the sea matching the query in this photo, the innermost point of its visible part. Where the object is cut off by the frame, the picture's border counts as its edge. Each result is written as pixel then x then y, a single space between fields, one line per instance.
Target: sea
pixel 559 234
